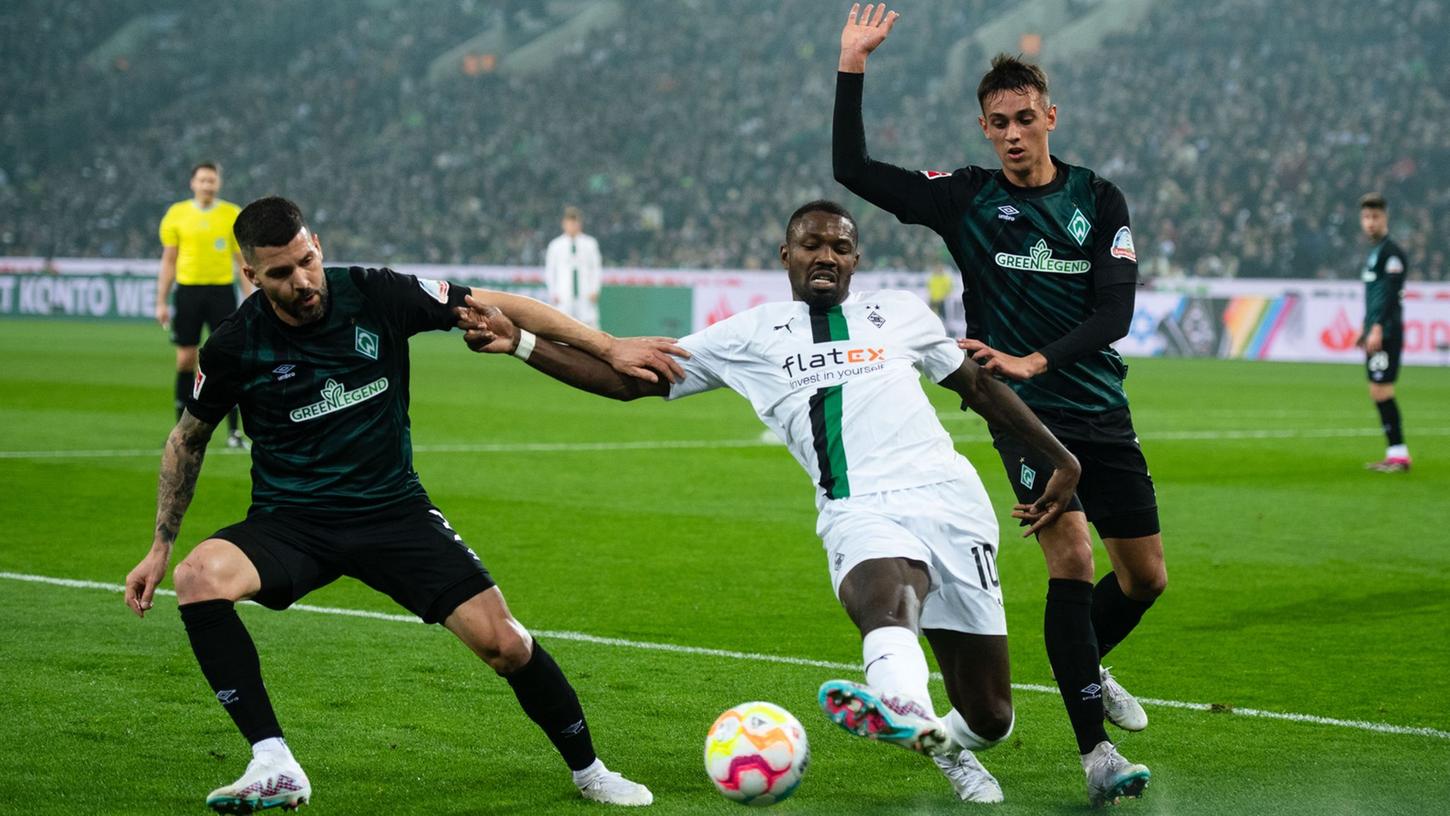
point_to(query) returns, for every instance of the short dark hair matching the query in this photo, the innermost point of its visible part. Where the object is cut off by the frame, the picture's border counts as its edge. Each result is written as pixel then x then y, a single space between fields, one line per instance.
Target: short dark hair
pixel 819 205
pixel 267 222
pixel 1373 201
pixel 206 165
pixel 1011 73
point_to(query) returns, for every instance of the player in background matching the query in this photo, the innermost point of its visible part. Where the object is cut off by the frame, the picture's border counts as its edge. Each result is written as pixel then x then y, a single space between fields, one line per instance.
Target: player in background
pixel 1048 267
pixel 572 265
pixel 200 256
pixel 1384 330
pixel 319 366
pixel 909 533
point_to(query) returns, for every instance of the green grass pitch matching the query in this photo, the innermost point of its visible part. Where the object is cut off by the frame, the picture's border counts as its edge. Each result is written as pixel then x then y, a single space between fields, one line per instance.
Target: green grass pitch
pixel 1299 583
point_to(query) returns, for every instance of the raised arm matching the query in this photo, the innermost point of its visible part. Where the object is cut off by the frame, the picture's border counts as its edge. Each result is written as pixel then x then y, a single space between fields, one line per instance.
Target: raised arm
pixel 1002 408
pixel 487 329
pixel 914 197
pixel 647 358
pixel 180 466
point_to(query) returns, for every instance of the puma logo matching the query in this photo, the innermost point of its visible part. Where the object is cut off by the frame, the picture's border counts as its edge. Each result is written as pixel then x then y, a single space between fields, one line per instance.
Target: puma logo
pixel 786 326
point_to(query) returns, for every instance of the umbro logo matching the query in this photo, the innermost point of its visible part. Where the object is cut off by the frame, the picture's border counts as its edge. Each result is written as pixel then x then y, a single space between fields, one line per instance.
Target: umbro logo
pixel 786 326
pixel 1092 691
pixel 285 372
pixel 227 696
pixel 1008 212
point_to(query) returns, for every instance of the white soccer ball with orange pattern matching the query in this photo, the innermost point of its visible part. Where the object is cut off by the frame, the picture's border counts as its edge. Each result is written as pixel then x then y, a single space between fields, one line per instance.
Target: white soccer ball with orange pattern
pixel 756 753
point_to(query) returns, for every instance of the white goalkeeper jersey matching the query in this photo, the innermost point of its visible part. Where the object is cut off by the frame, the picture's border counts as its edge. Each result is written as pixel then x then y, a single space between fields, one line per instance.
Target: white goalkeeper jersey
pixel 842 387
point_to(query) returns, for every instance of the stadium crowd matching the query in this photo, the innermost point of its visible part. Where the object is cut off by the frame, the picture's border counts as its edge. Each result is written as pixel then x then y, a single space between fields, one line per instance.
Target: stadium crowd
pixel 1241 132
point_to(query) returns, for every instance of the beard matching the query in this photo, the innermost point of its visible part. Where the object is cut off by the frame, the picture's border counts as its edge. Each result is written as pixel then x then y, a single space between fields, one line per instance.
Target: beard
pixel 311 313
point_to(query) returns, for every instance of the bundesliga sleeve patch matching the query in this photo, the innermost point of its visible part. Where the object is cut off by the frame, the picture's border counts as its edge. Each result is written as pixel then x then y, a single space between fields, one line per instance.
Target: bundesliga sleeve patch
pixel 1394 266
pixel 436 289
pixel 1123 245
pixel 936 174
pixel 197 384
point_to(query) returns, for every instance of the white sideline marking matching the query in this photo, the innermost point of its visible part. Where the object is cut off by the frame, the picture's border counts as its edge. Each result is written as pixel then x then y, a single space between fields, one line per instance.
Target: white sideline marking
pixel 1361 725
pixel 979 435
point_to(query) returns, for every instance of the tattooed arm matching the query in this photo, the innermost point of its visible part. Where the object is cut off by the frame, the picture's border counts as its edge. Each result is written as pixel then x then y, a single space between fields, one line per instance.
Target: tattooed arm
pixel 180 466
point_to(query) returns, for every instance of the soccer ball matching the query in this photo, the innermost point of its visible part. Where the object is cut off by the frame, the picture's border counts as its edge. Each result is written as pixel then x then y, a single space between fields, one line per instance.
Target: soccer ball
pixel 756 753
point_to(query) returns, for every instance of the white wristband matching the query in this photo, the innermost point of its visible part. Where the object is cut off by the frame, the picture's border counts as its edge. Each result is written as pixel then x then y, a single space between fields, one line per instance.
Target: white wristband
pixel 526 345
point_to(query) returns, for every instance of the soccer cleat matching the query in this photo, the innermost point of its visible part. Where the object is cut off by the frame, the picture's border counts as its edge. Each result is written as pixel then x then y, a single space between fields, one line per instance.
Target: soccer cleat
pixel 1391 464
pixel 1121 708
pixel 270 781
pixel 973 783
pixel 236 440
pixel 897 720
pixel 612 788
pixel 1111 777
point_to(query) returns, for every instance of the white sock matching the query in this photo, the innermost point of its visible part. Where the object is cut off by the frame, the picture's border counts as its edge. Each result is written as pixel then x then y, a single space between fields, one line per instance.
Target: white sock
pixel 272 745
pixel 1397 452
pixel 963 735
pixel 895 663
pixel 584 777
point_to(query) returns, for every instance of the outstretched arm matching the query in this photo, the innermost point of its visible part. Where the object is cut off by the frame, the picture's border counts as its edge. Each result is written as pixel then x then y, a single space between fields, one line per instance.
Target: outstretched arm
pixel 647 358
pixel 180 466
pixel 1002 408
pixel 487 329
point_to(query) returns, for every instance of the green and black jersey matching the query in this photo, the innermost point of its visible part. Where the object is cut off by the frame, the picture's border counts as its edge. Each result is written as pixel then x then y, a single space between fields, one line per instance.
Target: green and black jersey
pixel 1384 288
pixel 326 404
pixel 1036 263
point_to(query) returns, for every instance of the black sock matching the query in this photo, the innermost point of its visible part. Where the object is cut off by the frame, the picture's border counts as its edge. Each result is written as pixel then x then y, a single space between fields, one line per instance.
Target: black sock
pixel 1072 649
pixel 229 660
pixel 546 696
pixel 232 422
pixel 1390 421
pixel 183 389
pixel 1114 614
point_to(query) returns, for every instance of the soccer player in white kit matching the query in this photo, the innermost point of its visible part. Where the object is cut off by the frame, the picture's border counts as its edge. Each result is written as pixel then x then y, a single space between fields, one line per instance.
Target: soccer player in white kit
pixel 572 269
pixel 909 533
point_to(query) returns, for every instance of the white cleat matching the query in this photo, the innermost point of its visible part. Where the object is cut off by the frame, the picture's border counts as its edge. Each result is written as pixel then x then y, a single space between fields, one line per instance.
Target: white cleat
pixel 972 782
pixel 1111 777
pixel 1121 708
pixel 612 788
pixel 270 781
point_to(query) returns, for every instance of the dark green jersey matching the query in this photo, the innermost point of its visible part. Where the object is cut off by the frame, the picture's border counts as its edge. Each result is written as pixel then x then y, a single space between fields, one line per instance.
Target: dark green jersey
pixel 1035 262
pixel 326 404
pixel 1384 287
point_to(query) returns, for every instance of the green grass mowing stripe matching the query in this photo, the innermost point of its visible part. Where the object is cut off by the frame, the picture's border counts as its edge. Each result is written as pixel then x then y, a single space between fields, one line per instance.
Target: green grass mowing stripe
pixel 1383 728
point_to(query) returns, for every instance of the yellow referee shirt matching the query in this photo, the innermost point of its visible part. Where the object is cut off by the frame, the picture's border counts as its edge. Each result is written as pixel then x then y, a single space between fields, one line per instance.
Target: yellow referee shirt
pixel 204 241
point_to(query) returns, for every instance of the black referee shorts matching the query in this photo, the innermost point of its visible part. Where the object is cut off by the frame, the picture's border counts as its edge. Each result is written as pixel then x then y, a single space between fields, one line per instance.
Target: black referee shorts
pixel 406 551
pixel 1115 490
pixel 198 305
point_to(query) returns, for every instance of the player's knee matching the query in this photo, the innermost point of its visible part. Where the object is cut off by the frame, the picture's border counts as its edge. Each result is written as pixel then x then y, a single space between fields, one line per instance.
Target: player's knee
pixel 508 651
pixel 1145 586
pixel 205 575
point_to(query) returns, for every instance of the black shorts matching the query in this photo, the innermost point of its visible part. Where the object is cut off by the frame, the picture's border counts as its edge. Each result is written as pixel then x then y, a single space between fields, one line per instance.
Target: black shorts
pixel 197 305
pixel 1384 365
pixel 407 551
pixel 1115 491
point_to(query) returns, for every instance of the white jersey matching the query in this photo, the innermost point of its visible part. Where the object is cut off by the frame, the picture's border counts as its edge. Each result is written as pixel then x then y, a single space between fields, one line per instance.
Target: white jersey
pixel 841 387
pixel 572 268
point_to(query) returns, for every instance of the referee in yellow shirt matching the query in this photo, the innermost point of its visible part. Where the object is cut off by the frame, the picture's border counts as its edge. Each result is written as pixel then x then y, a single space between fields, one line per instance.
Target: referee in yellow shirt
pixel 199 255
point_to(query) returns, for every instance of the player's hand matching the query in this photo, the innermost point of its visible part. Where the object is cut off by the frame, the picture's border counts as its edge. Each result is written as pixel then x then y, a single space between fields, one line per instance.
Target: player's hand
pixel 647 358
pixel 163 315
pixel 1003 365
pixel 141 583
pixel 864 31
pixel 1055 499
pixel 1374 342
pixel 487 329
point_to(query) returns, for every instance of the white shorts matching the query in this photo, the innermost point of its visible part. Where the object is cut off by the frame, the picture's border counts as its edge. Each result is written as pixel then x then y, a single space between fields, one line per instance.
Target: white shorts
pixel 948 526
